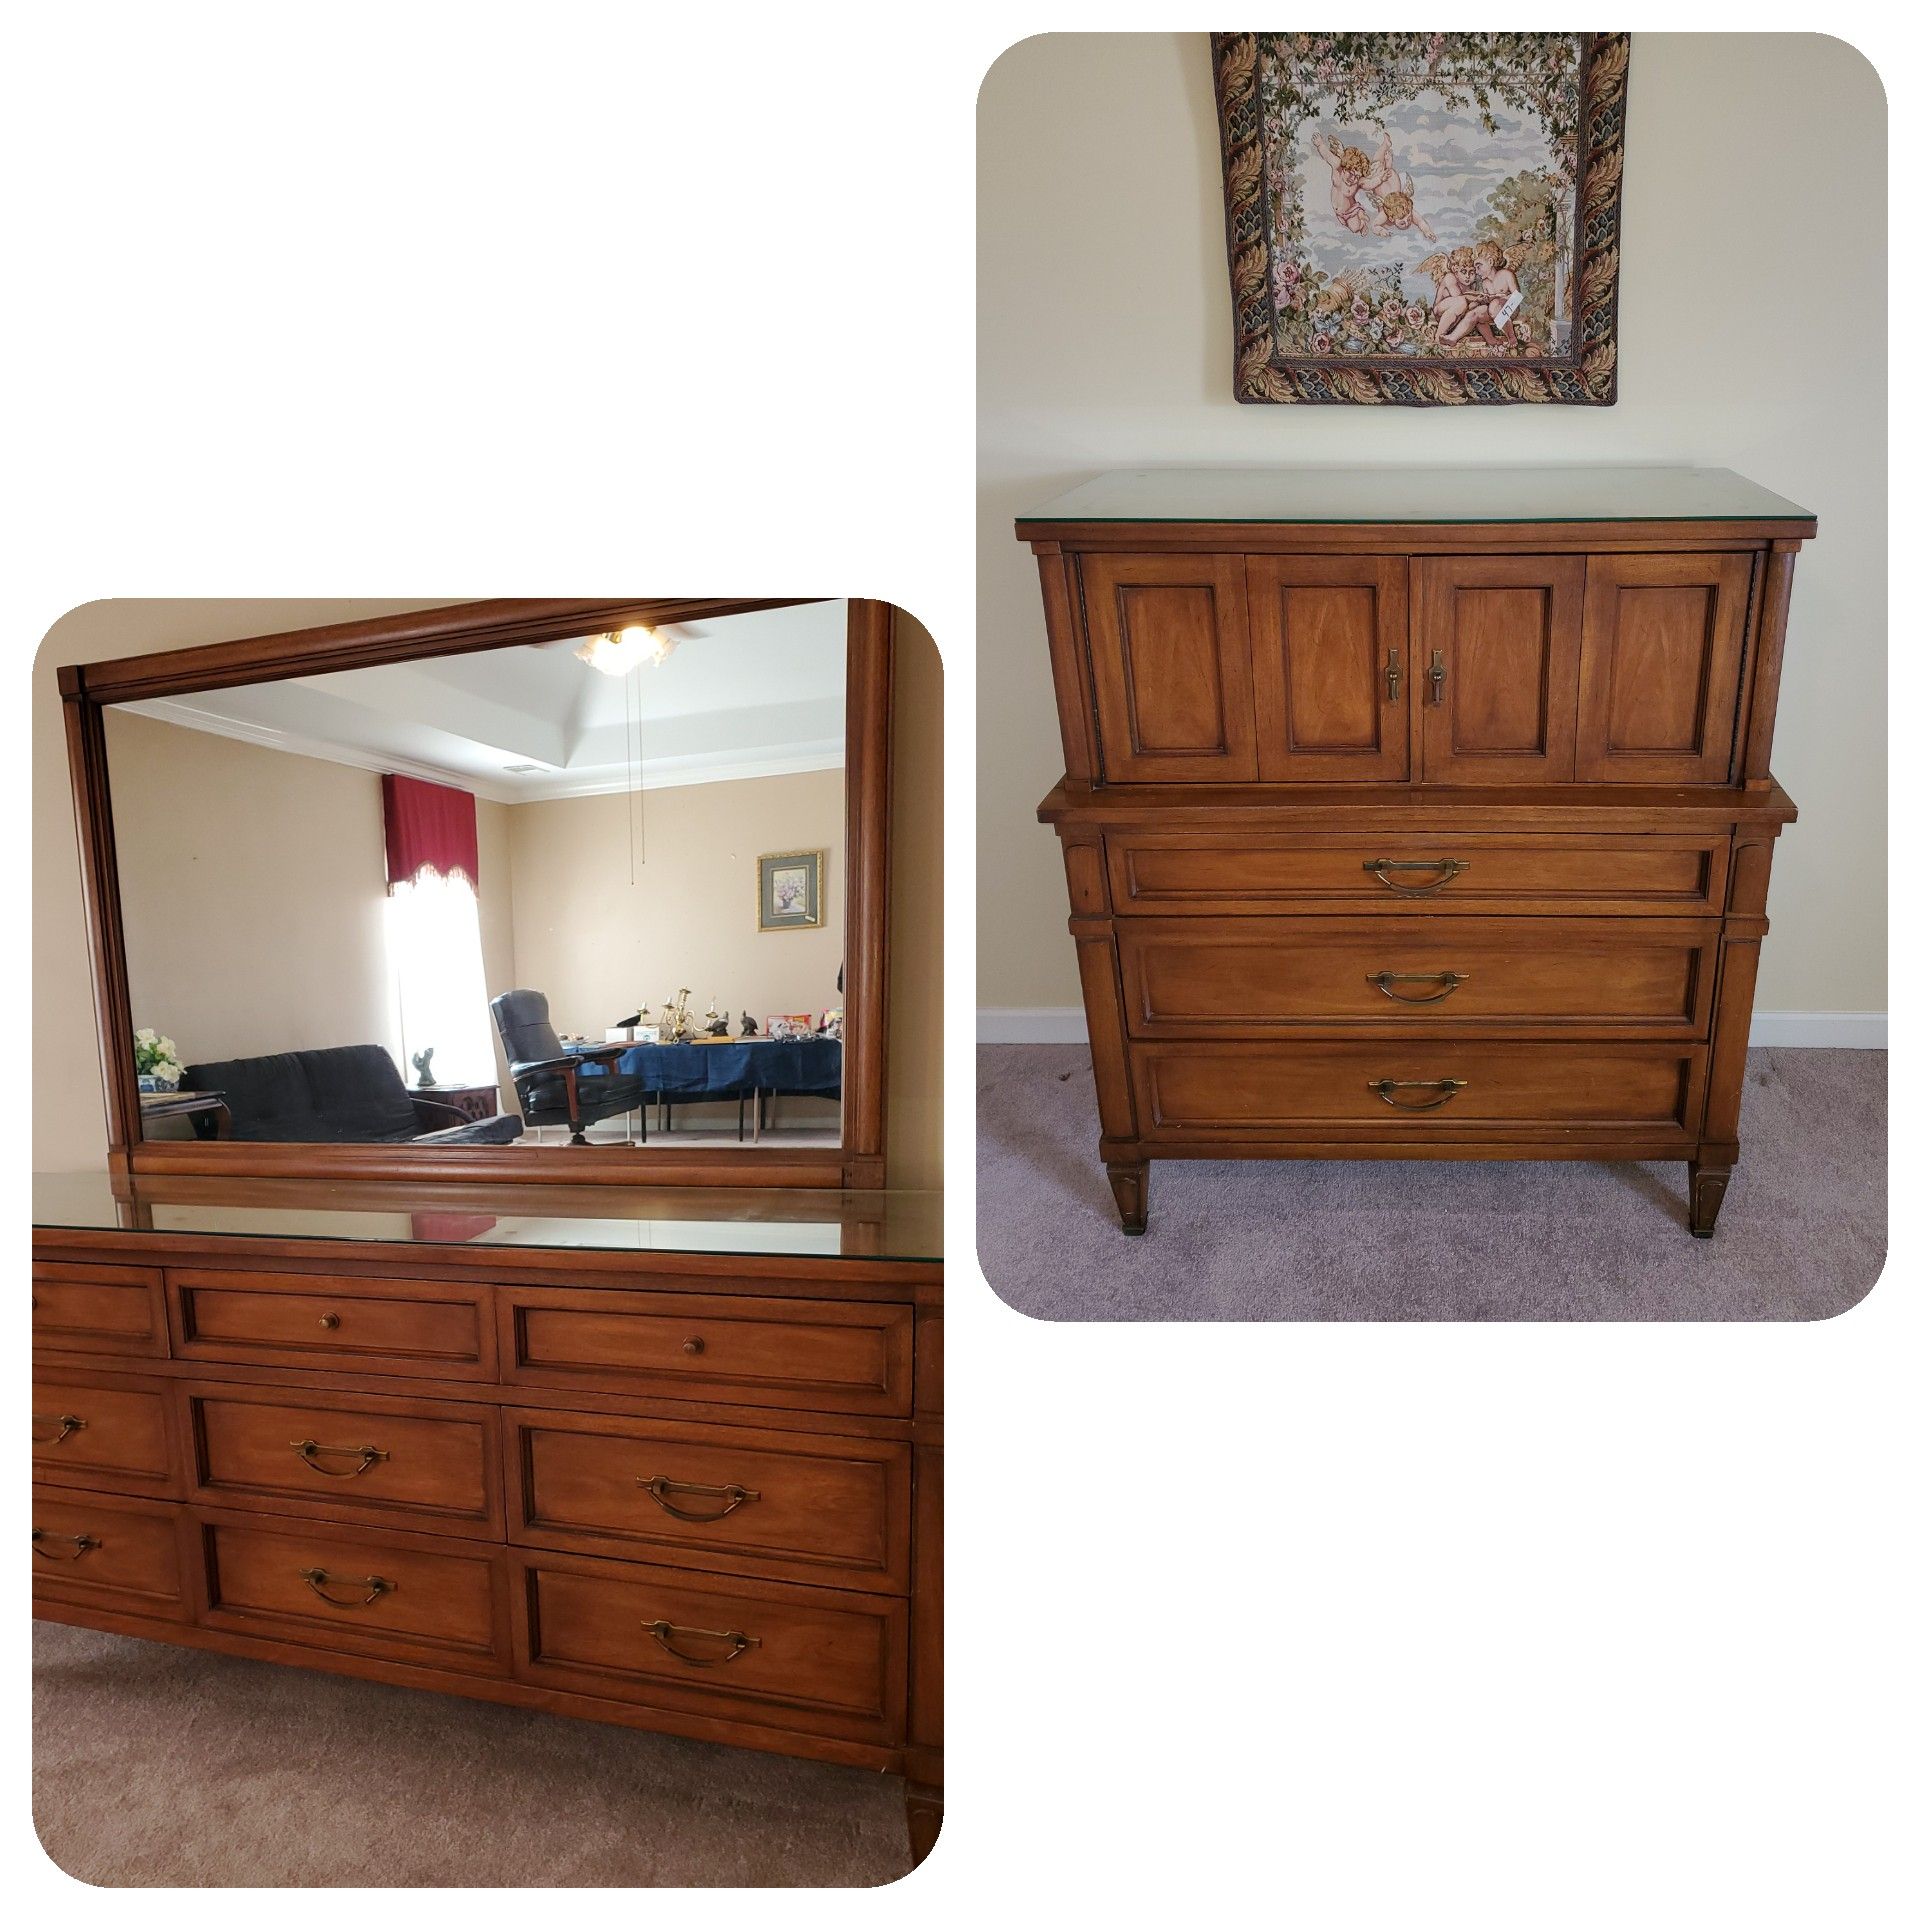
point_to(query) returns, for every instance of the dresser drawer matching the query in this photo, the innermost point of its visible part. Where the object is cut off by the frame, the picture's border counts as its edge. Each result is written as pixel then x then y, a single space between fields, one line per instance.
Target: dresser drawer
pixel 428 1327
pixel 1409 1089
pixel 825 1355
pixel 1255 872
pixel 81 1308
pixel 1246 977
pixel 113 1555
pixel 384 1595
pixel 824 1509
pixel 109 1432
pixel 345 1456
pixel 722 1649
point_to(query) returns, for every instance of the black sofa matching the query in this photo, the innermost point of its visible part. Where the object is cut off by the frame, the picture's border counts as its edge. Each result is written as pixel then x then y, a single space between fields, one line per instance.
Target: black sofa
pixel 343 1094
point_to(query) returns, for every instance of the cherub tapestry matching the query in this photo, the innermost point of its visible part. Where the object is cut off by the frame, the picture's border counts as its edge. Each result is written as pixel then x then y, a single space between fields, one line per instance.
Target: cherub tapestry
pixel 1423 219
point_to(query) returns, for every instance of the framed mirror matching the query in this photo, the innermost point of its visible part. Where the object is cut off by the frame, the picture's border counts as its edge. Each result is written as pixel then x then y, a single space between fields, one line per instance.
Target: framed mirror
pixel 578 891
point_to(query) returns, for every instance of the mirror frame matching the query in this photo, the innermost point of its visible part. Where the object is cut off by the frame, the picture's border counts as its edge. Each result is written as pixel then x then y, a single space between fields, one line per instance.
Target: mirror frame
pixel 859 1161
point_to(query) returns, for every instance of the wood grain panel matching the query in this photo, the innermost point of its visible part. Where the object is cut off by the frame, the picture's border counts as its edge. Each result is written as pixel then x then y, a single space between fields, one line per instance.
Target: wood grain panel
pixel 1647 978
pixel 1323 1086
pixel 1505 631
pixel 81 1308
pixel 792 1353
pixel 116 1555
pixel 371 1326
pixel 1174 873
pixel 102 1431
pixel 434 1465
pixel 1172 677
pixel 1660 665
pixel 1327 630
pixel 820 1509
pixel 443 1603
pixel 827 1663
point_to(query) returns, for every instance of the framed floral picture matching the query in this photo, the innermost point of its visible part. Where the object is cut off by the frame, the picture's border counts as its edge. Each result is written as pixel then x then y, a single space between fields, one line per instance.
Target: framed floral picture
pixel 1423 219
pixel 790 890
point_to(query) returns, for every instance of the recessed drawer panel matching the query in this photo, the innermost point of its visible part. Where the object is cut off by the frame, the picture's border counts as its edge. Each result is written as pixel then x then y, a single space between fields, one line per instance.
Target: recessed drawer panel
pixel 345 1456
pixel 730 1650
pixel 102 1431
pixel 818 1508
pixel 1414 1089
pixel 386 1326
pixel 381 1594
pixel 115 1555
pixel 81 1308
pixel 1254 872
pixel 825 1355
pixel 1240 976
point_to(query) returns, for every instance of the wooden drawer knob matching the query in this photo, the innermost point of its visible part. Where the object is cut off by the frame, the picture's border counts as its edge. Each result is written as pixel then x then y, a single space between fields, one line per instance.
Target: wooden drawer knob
pixel 693 1344
pixel 329 1320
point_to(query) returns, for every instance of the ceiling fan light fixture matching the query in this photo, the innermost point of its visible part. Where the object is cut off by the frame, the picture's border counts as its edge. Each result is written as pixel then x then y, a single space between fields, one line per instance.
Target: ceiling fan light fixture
pixel 619 653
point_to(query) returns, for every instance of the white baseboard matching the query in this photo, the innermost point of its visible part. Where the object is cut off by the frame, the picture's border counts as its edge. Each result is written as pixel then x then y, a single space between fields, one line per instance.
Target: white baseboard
pixel 1065 1026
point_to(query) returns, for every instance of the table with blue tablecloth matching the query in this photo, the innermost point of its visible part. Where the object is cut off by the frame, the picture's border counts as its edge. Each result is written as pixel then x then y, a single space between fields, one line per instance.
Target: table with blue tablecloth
pixel 679 1073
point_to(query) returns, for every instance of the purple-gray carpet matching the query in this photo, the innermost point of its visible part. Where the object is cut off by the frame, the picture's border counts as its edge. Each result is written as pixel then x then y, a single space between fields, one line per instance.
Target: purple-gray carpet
pixel 158 1766
pixel 1802 1235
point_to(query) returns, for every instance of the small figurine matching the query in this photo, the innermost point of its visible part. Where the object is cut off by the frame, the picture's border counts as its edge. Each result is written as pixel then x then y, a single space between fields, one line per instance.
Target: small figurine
pixel 749 1026
pixel 714 1025
pixel 832 1023
pixel 423 1064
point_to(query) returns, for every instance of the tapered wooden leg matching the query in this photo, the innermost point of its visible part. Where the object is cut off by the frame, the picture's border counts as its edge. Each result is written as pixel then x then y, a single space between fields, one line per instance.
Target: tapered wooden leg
pixel 926 1807
pixel 1706 1188
pixel 1130 1195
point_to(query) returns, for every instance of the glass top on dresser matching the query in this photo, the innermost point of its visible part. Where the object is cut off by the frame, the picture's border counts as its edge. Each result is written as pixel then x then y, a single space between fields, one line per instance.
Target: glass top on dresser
pixel 1438 495
pixel 828 1225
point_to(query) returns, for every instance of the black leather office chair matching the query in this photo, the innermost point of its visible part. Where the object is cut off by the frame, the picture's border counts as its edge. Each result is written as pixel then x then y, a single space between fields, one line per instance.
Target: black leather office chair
pixel 547 1079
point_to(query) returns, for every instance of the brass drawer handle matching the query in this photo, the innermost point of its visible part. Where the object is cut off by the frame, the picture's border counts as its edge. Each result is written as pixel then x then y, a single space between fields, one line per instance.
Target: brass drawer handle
pixel 1437 673
pixel 660 1486
pixel 1447 982
pixel 82 1544
pixel 739 1643
pixel 1393 676
pixel 1386 1089
pixel 367 1456
pixel 329 1321
pixel 1448 870
pixel 69 1423
pixel 317 1578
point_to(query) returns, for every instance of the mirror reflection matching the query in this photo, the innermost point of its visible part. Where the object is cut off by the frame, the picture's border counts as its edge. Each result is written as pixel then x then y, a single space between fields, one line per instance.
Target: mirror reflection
pixel 583 893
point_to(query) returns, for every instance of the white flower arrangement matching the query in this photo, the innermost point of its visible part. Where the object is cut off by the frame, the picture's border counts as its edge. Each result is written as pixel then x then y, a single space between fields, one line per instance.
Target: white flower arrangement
pixel 155 1054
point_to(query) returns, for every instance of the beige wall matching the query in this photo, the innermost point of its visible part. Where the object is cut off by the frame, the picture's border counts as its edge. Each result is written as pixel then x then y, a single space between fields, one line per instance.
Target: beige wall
pixel 253 885
pixel 598 943
pixel 69 1132
pixel 1752 322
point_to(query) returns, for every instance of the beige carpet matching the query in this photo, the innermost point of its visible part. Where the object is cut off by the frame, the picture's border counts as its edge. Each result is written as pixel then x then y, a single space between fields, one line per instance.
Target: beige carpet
pixel 1803 1233
pixel 155 1766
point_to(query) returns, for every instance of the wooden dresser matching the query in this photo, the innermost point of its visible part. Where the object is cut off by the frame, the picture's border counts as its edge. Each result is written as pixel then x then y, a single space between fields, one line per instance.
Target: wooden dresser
pixel 669 1460
pixel 1420 813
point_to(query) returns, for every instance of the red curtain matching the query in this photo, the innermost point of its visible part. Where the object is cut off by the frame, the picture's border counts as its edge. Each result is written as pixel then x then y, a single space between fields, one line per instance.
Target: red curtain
pixel 430 829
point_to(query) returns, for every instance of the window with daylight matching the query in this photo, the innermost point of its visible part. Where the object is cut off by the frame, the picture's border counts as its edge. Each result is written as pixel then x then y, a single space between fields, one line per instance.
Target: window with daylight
pixel 433 930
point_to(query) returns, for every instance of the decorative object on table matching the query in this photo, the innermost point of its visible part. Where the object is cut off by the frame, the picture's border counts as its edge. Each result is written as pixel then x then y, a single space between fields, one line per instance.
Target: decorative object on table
pixel 749 1026
pixel 832 1023
pixel 790 890
pixel 1423 219
pixel 713 1022
pixel 790 1026
pixel 423 1066
pixel 676 1023
pixel 633 1019
pixel 157 1061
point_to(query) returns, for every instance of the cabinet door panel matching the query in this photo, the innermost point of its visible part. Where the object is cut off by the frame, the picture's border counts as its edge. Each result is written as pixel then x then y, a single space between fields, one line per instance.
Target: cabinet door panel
pixel 1660 666
pixel 1172 675
pixel 1326 629
pixel 1505 634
